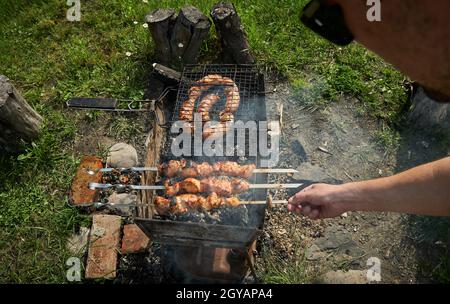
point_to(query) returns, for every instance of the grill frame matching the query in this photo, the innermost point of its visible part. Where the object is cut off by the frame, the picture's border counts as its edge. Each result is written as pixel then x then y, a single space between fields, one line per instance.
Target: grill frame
pixel 251 83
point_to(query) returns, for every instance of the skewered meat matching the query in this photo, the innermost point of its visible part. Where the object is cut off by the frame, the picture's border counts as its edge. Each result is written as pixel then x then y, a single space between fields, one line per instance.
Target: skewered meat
pixel 233 169
pixel 183 203
pixel 221 187
pixel 172 168
pixel 179 168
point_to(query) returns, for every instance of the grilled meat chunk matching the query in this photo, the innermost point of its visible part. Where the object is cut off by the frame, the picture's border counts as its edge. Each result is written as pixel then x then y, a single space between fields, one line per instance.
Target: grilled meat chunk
pixel 183 203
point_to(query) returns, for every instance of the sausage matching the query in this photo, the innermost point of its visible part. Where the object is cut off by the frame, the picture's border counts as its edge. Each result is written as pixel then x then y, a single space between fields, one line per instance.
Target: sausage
pixel 232 92
pixel 206 104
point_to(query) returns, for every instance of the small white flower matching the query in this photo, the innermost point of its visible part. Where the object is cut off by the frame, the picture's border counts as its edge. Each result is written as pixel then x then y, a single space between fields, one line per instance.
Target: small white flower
pixel 135 22
pixel 145 25
pixel 145 1
pixel 128 54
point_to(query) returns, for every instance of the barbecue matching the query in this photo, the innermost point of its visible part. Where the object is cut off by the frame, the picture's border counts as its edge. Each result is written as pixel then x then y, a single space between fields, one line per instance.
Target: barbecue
pixel 198 201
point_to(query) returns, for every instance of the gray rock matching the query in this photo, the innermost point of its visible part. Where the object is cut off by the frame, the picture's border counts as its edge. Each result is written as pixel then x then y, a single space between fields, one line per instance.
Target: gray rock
pixel 77 242
pixel 429 114
pixel 339 242
pixel 309 171
pixel 313 253
pixel 340 277
pixel 124 202
pixel 122 155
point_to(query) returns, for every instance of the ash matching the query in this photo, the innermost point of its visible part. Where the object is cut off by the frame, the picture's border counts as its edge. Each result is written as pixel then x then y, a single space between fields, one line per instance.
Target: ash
pixel 225 215
pixel 117 177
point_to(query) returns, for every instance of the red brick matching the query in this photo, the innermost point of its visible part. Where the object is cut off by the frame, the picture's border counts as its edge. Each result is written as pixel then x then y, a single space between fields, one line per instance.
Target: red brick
pixel 79 192
pixel 103 247
pixel 134 239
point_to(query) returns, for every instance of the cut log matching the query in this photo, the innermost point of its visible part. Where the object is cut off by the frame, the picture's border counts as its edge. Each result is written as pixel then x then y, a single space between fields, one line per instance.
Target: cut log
pixel 160 23
pixel 200 33
pixel 18 120
pixel 191 28
pixel 235 46
pixel 154 143
pixel 178 39
pixel 167 74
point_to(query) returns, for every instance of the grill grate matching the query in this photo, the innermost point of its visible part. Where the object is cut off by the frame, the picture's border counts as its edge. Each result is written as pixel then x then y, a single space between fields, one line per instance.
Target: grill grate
pixel 252 107
pixel 248 79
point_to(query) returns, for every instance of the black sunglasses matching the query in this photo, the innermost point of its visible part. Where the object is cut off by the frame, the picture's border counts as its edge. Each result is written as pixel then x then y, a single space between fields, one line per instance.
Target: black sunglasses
pixel 328 21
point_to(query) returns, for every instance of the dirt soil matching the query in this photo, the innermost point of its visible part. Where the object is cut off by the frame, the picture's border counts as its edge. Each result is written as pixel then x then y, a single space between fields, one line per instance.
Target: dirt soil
pixel 349 152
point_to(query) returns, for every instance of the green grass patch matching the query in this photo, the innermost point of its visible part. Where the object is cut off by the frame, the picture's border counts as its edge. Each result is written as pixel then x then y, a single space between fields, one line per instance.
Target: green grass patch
pixel 276 270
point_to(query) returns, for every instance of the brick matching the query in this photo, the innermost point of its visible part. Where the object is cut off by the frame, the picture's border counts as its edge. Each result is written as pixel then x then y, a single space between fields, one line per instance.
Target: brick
pixel 134 240
pixel 79 192
pixel 103 247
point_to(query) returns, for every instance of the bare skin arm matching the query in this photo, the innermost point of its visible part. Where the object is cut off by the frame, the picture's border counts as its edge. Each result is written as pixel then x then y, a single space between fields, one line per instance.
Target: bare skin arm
pixel 423 190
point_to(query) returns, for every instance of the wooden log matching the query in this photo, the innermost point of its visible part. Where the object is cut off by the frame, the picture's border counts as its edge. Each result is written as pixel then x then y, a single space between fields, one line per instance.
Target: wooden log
pixel 154 143
pixel 235 46
pixel 200 33
pixel 190 29
pixel 18 120
pixel 167 74
pixel 160 23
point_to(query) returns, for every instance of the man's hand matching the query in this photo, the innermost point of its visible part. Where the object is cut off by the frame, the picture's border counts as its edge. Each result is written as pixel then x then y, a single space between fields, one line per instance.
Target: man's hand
pixel 422 190
pixel 321 201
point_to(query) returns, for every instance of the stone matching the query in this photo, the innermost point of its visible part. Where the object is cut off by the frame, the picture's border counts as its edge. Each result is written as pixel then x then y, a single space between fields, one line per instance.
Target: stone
pixel 313 253
pixel 123 202
pixel 103 247
pixel 428 114
pixel 77 242
pixel 308 171
pixel 340 277
pixel 134 240
pixel 122 155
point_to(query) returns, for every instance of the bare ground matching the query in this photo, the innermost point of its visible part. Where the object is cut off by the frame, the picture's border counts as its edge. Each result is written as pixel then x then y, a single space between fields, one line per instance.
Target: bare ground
pixel 409 248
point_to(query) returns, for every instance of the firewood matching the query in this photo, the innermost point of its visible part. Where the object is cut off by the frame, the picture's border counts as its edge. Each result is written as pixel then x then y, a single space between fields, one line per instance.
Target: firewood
pixel 178 39
pixel 160 23
pixel 18 120
pixel 235 46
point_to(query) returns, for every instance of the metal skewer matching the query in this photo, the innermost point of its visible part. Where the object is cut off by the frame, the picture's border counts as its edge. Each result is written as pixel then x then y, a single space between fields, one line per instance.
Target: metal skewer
pixel 154 169
pixel 94 186
pixel 99 204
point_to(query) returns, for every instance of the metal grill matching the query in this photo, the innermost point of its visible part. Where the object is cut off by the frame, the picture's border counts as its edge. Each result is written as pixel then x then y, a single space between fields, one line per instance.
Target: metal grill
pixel 252 107
pixel 248 79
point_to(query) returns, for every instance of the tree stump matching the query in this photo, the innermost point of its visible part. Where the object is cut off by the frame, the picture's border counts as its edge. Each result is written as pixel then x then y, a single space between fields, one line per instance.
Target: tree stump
pixel 178 39
pixel 235 46
pixel 18 120
pixel 429 114
pixel 160 23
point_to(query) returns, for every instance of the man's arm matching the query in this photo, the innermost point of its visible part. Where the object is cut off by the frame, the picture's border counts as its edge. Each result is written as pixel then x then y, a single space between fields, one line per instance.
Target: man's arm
pixel 422 190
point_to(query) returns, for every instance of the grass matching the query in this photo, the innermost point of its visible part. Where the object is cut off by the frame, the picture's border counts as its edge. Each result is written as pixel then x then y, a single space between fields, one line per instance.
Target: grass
pixel 281 271
pixel 51 59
